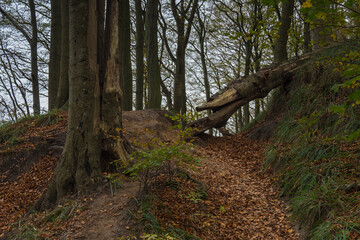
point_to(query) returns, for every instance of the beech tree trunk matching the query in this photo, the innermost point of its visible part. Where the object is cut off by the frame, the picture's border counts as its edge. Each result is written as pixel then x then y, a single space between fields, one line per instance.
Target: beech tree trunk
pixel 112 97
pixel 153 67
pixel 179 12
pixel 139 56
pixel 55 53
pixel 79 168
pixel 280 50
pixel 63 88
pixel 34 63
pixel 91 131
pixel 125 61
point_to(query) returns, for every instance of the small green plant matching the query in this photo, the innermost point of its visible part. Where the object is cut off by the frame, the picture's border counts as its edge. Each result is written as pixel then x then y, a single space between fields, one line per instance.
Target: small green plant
pixel 165 159
pixel 115 182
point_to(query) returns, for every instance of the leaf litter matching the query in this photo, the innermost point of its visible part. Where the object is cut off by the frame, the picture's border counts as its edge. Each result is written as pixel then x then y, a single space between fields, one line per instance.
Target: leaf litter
pixel 240 200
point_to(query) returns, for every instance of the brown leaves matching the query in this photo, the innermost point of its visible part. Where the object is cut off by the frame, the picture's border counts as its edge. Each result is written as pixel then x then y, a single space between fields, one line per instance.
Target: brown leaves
pixel 21 192
pixel 242 201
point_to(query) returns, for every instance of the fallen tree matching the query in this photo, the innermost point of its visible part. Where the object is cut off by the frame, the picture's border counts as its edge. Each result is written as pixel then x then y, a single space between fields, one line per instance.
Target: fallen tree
pixel 243 90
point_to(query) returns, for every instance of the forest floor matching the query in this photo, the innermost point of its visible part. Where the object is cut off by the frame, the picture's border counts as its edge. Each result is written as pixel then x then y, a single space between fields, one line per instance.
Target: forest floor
pixel 240 201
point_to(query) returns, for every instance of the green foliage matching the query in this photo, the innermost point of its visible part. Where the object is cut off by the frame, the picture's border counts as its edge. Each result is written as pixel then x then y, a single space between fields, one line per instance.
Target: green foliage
pixel 166 158
pixel 315 151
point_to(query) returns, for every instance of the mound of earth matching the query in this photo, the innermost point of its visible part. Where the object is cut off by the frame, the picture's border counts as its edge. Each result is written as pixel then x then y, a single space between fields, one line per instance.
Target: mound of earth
pixel 148 127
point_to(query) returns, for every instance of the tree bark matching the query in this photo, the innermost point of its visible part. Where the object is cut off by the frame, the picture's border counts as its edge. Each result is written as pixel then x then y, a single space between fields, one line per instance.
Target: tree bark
pixel 111 121
pixel 63 88
pixel 153 68
pixel 94 127
pixel 125 61
pixel 34 63
pixel 280 50
pixel 55 53
pixel 139 56
pixel 79 168
pixel 182 40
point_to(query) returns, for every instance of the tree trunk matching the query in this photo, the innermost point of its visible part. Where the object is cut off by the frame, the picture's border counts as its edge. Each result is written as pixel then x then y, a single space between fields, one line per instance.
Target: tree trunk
pixel 55 53
pixel 94 131
pixel 243 90
pixel 125 61
pixel 179 82
pixel 63 89
pixel 202 34
pixel 139 56
pixel 79 169
pixel 34 64
pixel 153 68
pixel 111 121
pixel 280 50
pixel 182 40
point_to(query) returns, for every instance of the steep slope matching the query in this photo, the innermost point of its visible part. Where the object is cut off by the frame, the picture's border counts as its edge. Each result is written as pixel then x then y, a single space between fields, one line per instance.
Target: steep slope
pixel 316 148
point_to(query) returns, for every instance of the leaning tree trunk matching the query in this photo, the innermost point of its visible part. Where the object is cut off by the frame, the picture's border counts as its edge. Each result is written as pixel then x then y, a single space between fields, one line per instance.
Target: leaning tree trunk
pixel 79 169
pixel 243 90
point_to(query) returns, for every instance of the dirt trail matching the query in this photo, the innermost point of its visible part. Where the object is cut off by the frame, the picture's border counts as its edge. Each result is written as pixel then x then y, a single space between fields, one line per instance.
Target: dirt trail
pixel 104 220
pixel 233 174
pixel 242 202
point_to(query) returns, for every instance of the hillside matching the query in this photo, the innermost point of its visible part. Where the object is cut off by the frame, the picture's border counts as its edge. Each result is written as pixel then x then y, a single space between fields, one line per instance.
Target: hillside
pixel 306 150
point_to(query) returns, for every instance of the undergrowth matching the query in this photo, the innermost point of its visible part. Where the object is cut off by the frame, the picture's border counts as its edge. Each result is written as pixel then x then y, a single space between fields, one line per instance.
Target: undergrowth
pixel 317 149
pixel 169 160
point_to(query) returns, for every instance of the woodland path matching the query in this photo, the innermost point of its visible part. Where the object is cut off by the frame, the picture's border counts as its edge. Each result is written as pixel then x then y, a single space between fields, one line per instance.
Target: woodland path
pixel 242 201
pixel 235 179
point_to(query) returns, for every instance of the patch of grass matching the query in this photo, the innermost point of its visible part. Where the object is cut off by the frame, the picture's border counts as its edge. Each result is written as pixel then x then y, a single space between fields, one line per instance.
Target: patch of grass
pixel 11 132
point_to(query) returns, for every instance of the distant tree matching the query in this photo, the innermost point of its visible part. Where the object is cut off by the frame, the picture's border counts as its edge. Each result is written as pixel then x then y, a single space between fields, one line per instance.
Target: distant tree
pixel 33 42
pixel 280 49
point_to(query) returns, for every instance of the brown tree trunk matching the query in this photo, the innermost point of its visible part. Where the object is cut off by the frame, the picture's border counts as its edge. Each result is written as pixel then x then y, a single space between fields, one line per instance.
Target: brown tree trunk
pixel 179 12
pixel 153 68
pixel 125 61
pixel 280 49
pixel 34 63
pixel 79 169
pixel 111 117
pixel 139 56
pixel 63 88
pixel 55 53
